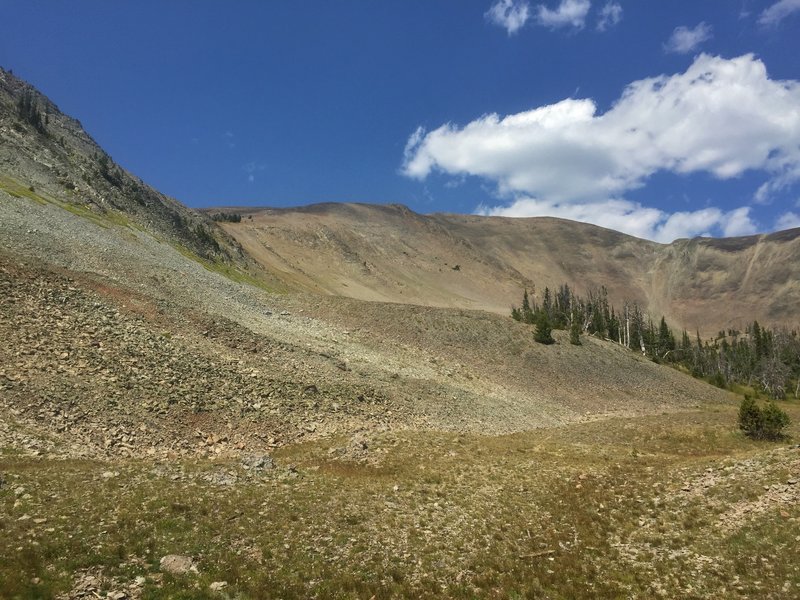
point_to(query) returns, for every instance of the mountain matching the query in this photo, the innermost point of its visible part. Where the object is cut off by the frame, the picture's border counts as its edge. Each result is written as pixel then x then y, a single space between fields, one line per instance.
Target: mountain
pixel 332 401
pixel 390 253
pixel 124 306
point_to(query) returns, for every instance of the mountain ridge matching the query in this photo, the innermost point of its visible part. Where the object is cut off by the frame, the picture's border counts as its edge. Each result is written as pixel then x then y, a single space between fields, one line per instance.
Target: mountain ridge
pixel 116 294
pixel 49 157
pixel 346 249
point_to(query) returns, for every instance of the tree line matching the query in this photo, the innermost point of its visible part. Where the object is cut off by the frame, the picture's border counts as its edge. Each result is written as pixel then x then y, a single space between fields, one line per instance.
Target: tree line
pixel 764 359
pixel 227 217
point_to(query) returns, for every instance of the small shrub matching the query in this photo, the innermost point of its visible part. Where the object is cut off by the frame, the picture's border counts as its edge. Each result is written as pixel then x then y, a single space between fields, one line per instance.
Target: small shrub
pixel 228 217
pixel 775 421
pixel 718 380
pixel 765 423
pixel 749 416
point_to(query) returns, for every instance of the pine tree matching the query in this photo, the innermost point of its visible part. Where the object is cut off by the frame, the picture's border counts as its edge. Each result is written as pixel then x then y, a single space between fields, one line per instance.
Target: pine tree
pixel 527 312
pixel 666 341
pixel 575 333
pixel 758 340
pixel 775 420
pixel 765 423
pixel 750 419
pixel 544 332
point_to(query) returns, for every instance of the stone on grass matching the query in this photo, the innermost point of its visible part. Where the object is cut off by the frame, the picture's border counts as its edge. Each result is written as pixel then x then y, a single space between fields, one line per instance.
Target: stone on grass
pixel 177 564
pixel 258 462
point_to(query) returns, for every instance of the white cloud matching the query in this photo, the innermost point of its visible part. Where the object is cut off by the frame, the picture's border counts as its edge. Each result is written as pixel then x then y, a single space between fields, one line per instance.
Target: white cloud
pixel 721 116
pixel 568 13
pixel 684 40
pixel 789 175
pixel 610 15
pixel 776 13
pixel 414 140
pixel 633 218
pixel 510 14
pixel 738 222
pixel 787 220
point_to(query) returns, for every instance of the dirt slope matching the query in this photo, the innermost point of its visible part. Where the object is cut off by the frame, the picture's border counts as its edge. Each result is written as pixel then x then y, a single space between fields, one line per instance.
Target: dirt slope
pixel 392 254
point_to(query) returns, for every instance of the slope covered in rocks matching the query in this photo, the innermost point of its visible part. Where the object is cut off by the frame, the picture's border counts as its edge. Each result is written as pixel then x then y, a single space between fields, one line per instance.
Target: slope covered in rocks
pixel 120 340
pixel 47 156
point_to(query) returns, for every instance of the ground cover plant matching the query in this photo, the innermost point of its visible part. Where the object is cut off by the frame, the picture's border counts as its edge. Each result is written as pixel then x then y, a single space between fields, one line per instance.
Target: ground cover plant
pixel 681 505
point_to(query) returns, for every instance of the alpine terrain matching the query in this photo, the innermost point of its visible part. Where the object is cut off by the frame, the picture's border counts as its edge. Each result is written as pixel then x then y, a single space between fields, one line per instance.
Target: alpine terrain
pixel 334 402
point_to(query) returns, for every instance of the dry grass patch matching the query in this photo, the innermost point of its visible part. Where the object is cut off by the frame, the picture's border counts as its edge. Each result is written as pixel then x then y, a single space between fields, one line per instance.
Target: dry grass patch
pixel 621 508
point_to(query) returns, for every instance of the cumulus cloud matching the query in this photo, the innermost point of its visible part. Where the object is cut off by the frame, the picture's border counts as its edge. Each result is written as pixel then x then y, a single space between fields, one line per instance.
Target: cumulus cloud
pixel 788 220
pixel 721 116
pixel 568 13
pixel 633 218
pixel 738 222
pixel 610 15
pixel 684 40
pixel 509 14
pixel 776 13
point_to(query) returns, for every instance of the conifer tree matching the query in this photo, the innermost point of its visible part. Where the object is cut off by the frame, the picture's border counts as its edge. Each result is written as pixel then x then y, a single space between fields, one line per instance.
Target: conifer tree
pixel 544 332
pixel 575 333
pixel 527 312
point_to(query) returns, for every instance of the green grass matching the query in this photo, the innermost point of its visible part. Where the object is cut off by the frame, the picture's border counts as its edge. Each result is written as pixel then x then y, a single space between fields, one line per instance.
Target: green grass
pixel 107 219
pixel 559 513
pixel 17 190
pixel 226 270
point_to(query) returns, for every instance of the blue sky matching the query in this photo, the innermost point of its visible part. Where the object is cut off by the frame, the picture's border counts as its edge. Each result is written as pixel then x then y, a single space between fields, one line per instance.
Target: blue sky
pixel 661 119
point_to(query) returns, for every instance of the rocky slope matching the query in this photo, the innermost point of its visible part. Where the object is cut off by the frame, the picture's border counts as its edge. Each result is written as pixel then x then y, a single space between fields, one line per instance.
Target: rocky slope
pixel 390 253
pixel 174 425
pixel 48 157
pixel 127 333
pixel 90 367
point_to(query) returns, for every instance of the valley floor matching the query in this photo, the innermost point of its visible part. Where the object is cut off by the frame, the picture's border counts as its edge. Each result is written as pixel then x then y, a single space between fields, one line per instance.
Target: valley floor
pixel 673 506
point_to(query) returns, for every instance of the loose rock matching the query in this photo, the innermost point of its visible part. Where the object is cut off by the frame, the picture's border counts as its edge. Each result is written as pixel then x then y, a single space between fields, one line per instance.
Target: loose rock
pixel 177 564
